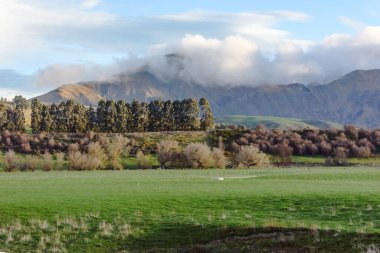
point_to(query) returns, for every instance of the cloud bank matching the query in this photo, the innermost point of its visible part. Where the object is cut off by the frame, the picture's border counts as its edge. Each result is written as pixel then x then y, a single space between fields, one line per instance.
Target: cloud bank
pixel 237 60
pixel 73 41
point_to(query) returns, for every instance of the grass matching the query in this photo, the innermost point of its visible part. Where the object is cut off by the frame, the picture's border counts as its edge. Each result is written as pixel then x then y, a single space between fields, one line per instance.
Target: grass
pixel 276 122
pixel 134 210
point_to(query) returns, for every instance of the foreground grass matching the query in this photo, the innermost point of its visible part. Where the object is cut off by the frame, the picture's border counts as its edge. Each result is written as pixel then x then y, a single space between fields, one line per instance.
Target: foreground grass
pixel 109 211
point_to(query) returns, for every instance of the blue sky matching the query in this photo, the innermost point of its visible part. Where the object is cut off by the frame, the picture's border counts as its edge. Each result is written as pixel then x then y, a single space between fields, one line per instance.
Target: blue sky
pixel 48 43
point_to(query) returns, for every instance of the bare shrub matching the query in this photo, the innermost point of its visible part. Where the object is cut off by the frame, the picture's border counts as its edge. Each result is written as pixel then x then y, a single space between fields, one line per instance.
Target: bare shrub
pixel 143 161
pixel 218 158
pixel 339 158
pixel 10 161
pixel 249 156
pixel 283 154
pixel 115 149
pixel 79 161
pixel 199 155
pixel 166 151
pixel 60 157
pixel 96 151
pixel 47 161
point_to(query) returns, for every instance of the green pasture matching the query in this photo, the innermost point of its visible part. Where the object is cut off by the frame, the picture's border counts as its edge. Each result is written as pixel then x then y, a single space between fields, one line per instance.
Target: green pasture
pixel 179 210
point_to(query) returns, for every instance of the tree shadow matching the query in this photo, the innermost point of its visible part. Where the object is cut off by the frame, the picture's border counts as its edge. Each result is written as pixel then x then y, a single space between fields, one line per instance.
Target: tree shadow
pixel 199 239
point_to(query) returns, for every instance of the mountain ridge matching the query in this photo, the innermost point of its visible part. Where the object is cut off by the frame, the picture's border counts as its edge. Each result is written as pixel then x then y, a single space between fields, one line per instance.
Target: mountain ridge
pixel 352 99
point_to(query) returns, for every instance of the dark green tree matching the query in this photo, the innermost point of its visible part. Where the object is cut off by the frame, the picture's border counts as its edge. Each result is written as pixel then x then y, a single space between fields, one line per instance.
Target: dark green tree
pixel 79 119
pixel 178 116
pixel 20 102
pixel 156 119
pixel 123 116
pixel 36 116
pixel 206 116
pixel 92 122
pixel 54 113
pixel 101 115
pixel 46 119
pixel 190 115
pixel 168 117
pixel 110 117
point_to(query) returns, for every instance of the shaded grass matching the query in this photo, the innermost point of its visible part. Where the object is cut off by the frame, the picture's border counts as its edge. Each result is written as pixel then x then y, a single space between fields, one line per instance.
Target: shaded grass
pixel 180 208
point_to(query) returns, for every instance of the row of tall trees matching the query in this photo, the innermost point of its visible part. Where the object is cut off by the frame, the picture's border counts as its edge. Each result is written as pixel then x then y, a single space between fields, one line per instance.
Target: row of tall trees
pixel 121 117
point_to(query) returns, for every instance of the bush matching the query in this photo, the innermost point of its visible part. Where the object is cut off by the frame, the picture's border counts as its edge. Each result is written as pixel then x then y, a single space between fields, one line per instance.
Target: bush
pixel 10 161
pixel 96 151
pixel 250 156
pixel 167 151
pixel 47 161
pixel 218 158
pixel 339 158
pixel 60 157
pixel 143 161
pixel 79 161
pixel 199 155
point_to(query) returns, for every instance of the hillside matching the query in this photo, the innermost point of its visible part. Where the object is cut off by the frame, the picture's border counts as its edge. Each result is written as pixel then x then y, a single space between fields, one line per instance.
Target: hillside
pixel 276 122
pixel 351 99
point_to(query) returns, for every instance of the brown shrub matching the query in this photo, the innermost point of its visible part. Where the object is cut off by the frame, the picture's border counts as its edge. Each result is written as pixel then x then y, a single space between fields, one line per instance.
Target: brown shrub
pixel 79 161
pixel 60 157
pixel 143 161
pixel 250 156
pixel 199 155
pixel 218 158
pixel 10 161
pixel 47 161
pixel 166 152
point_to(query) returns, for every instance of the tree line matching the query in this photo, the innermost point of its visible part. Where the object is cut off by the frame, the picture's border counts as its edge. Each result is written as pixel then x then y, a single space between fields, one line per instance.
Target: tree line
pixel 122 117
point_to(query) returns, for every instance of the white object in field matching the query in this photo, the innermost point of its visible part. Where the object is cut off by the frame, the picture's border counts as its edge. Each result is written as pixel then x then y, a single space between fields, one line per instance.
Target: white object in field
pixel 219 178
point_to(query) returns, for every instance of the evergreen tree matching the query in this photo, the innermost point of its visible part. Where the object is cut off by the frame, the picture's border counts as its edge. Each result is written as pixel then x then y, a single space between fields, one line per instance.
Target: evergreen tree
pixel 36 116
pixel 20 102
pixel 79 119
pixel 178 115
pixel 168 117
pixel 110 117
pixel 18 119
pixel 61 118
pixel 190 115
pixel 46 119
pixel 121 117
pixel 54 113
pixel 92 122
pixel 135 112
pixel 69 116
pixel 207 119
pixel 144 117
pixel 101 115
pixel 156 119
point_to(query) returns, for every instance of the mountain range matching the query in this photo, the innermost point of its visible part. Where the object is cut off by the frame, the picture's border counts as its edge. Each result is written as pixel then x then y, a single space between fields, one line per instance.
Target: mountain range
pixel 351 99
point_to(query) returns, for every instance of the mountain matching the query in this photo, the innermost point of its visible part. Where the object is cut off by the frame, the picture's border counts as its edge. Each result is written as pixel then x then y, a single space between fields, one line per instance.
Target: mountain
pixel 351 99
pixel 276 122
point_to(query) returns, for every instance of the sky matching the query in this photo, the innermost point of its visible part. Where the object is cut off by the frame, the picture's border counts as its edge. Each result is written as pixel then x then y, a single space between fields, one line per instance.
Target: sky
pixel 44 44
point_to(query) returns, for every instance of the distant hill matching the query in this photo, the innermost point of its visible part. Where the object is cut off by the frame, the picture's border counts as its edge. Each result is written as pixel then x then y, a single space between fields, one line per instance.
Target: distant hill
pixel 276 122
pixel 351 99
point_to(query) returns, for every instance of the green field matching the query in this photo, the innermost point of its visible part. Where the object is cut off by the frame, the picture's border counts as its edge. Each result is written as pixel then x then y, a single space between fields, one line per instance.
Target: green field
pixel 172 210
pixel 276 122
